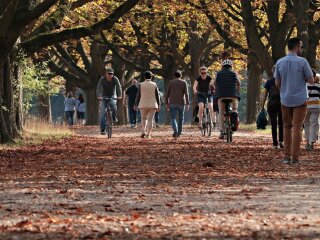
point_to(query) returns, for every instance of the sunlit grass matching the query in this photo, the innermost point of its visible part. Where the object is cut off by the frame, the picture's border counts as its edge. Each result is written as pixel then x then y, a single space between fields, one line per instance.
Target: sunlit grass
pixel 253 127
pixel 36 131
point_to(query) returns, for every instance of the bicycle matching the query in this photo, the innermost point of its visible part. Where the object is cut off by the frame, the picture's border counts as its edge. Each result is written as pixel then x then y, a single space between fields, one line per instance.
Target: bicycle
pixel 206 118
pixel 108 115
pixel 227 120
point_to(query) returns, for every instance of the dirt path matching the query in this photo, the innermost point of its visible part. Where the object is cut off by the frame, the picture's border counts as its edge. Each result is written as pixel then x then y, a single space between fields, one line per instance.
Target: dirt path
pixel 90 187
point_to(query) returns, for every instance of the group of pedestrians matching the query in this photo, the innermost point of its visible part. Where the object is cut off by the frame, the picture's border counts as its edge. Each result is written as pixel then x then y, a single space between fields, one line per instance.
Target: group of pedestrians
pixel 145 97
pixel 293 100
pixel 72 105
pixel 293 103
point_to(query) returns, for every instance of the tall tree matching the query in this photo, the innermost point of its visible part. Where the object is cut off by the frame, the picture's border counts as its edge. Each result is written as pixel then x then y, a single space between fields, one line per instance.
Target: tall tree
pixel 16 16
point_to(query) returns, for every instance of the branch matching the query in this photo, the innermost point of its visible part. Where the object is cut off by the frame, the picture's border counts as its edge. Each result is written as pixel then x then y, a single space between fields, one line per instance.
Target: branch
pixel 69 62
pixel 23 17
pixel 6 16
pixel 65 74
pixel 44 40
pixel 85 60
pixel 113 49
pixel 54 20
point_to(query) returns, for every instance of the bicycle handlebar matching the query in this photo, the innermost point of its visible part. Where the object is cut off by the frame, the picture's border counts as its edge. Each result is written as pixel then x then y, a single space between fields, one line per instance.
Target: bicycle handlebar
pixel 109 98
pixel 204 94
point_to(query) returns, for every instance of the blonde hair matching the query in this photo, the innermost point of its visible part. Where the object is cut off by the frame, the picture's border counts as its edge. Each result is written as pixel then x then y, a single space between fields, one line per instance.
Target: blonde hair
pixel 203 68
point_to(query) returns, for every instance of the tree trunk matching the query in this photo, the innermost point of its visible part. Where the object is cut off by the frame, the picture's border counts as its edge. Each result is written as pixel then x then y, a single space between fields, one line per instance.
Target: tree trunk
pixel 45 108
pixel 8 98
pixel 253 88
pixel 4 134
pixel 92 106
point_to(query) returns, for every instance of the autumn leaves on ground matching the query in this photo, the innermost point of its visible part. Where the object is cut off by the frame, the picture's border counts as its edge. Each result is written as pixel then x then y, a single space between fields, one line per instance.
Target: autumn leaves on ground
pixel 90 187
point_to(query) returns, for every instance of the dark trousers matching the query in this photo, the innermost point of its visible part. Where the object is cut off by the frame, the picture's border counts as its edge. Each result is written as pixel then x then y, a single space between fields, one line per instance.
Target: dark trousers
pixel 275 115
pixel 132 114
pixel 69 117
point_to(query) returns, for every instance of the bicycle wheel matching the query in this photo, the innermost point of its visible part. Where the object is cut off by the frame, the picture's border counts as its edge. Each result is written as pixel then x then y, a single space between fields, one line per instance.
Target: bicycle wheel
pixel 208 123
pixel 204 125
pixel 229 136
pixel 109 124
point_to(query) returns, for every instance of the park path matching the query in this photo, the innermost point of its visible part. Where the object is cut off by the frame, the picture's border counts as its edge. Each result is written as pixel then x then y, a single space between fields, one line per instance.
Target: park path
pixel 90 187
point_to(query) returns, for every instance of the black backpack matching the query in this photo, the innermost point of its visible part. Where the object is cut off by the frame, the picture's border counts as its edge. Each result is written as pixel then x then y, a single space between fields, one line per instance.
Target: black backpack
pixel 262 120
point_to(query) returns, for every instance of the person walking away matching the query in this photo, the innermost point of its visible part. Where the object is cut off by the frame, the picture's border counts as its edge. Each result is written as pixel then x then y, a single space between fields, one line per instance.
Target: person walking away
pixel 108 86
pixel 81 108
pixel 291 74
pixel 69 107
pixel 272 92
pixel 177 97
pixel 311 122
pixel 202 85
pixel 227 86
pixel 148 102
pixel 129 100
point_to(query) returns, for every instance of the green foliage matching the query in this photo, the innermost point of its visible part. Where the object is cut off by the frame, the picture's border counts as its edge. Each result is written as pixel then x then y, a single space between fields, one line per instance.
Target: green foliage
pixel 34 80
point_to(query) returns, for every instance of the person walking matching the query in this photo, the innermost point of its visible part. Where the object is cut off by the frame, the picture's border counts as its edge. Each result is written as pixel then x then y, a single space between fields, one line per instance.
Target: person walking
pixel 129 100
pixel 69 107
pixel 177 97
pixel 311 122
pixel 148 102
pixel 108 86
pixel 81 108
pixel 272 92
pixel 291 74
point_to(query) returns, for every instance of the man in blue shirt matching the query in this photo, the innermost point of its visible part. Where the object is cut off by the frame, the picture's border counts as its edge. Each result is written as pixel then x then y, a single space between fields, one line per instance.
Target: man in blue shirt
pixel 292 73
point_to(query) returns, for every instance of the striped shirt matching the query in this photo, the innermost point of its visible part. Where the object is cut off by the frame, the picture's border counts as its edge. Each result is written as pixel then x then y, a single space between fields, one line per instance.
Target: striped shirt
pixel 314 95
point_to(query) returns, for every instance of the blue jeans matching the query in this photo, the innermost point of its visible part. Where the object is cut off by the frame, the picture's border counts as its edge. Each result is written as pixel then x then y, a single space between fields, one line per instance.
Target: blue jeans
pixel 174 109
pixel 156 117
pixel 132 114
pixel 113 104
pixel 69 117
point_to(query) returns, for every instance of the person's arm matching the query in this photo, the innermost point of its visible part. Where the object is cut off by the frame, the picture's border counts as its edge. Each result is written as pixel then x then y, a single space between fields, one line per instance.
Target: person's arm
pixel 157 95
pixel 186 94
pixel 308 73
pixel 138 96
pixel 124 100
pixel 195 86
pixel 118 88
pixel 264 97
pixel 99 89
pixel 168 95
pixel 238 83
pixel 277 77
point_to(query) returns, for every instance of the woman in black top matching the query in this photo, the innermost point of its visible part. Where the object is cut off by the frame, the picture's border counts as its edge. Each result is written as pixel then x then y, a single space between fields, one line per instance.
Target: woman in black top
pixel 202 88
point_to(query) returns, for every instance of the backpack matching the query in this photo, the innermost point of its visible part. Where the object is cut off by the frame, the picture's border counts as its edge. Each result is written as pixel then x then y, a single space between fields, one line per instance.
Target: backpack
pixel 262 120
pixel 274 96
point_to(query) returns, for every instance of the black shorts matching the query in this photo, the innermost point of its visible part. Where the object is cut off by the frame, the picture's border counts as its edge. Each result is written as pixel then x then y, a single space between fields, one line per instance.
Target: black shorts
pixel 202 98
pixel 80 115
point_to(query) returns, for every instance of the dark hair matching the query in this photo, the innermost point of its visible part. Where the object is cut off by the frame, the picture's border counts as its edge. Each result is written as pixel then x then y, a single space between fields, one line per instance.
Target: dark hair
pixel 148 75
pixel 313 72
pixel 81 98
pixel 177 74
pixel 293 42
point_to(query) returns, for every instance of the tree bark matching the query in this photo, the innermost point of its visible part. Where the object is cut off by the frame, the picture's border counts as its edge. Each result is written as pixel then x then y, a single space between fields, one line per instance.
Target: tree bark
pixel 92 105
pixel 253 88
pixel 45 108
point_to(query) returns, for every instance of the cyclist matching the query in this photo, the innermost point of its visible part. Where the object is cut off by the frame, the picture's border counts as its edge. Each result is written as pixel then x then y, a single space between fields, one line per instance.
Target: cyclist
pixel 108 86
pixel 202 85
pixel 227 86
